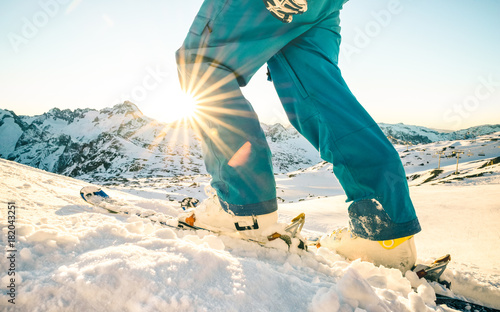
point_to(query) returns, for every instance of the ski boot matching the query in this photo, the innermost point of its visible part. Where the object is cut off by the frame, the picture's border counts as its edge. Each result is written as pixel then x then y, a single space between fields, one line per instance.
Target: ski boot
pixel 399 253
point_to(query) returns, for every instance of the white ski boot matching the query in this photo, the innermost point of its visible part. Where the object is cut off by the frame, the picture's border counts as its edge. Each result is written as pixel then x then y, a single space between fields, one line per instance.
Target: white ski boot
pixel 399 253
pixel 211 216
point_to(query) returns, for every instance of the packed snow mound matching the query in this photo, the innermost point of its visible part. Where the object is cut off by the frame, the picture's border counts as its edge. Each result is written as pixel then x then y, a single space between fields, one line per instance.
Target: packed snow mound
pixel 72 257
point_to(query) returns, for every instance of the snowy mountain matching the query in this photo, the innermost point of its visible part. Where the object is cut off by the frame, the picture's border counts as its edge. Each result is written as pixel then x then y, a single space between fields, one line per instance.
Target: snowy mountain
pixel 403 134
pixel 118 144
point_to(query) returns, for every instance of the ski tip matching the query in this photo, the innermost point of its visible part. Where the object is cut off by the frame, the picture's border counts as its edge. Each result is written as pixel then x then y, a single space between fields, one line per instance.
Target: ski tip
pixel 189 202
pixel 90 193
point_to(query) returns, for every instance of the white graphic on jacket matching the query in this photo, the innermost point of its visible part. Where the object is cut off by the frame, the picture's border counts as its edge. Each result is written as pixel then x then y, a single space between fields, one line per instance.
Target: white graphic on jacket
pixel 284 10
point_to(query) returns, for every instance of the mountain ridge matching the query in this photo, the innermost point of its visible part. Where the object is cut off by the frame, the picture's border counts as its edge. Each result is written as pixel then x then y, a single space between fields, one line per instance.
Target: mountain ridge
pixel 121 142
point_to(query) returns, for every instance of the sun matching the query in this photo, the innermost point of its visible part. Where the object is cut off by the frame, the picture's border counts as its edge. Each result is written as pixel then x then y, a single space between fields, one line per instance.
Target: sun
pixel 184 106
pixel 179 107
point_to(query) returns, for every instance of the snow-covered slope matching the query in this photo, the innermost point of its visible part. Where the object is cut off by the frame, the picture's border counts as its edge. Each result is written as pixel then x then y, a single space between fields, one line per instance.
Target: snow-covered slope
pixel 71 257
pixel 407 134
pixel 422 161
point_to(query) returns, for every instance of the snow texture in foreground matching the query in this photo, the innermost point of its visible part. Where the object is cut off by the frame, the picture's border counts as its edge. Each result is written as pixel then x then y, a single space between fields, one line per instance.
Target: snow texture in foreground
pixel 71 257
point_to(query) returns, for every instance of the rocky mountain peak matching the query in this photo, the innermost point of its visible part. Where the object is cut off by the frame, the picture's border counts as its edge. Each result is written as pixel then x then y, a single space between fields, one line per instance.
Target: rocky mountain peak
pixel 126 108
pixel 56 113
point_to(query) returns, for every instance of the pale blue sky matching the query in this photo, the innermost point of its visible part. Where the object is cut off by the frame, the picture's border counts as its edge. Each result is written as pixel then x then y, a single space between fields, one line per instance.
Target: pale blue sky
pixel 434 63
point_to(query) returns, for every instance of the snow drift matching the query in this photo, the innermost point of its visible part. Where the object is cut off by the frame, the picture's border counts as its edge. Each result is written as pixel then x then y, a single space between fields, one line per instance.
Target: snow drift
pixel 72 257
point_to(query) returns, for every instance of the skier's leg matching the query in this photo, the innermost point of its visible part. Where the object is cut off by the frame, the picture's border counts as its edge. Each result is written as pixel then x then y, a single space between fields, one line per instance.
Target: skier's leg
pixel 235 150
pixel 322 108
pixel 227 43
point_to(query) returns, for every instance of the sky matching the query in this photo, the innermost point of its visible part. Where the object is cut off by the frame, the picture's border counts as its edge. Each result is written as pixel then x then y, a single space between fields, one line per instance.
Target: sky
pixel 431 63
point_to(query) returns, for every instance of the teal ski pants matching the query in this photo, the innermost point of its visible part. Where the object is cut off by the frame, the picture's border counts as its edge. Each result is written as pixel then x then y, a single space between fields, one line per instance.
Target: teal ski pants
pixel 227 43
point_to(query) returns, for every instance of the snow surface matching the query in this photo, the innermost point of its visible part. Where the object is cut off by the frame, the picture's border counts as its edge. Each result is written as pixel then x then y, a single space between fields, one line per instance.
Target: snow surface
pixel 71 257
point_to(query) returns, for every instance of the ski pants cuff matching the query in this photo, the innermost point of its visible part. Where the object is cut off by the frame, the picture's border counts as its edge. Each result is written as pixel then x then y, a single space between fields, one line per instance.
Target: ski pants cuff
pixel 368 219
pixel 250 209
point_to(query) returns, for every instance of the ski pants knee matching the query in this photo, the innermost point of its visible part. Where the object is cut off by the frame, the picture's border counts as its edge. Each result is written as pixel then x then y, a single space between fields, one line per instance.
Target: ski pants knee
pixel 227 43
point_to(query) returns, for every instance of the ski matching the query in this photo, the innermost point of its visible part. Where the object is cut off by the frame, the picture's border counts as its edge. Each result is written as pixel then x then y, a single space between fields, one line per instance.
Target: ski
pixel 433 273
pixel 462 305
pixel 98 198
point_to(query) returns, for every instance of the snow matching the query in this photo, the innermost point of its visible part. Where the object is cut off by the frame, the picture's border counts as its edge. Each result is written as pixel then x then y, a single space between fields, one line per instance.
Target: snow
pixel 424 156
pixel 72 257
pixel 432 135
